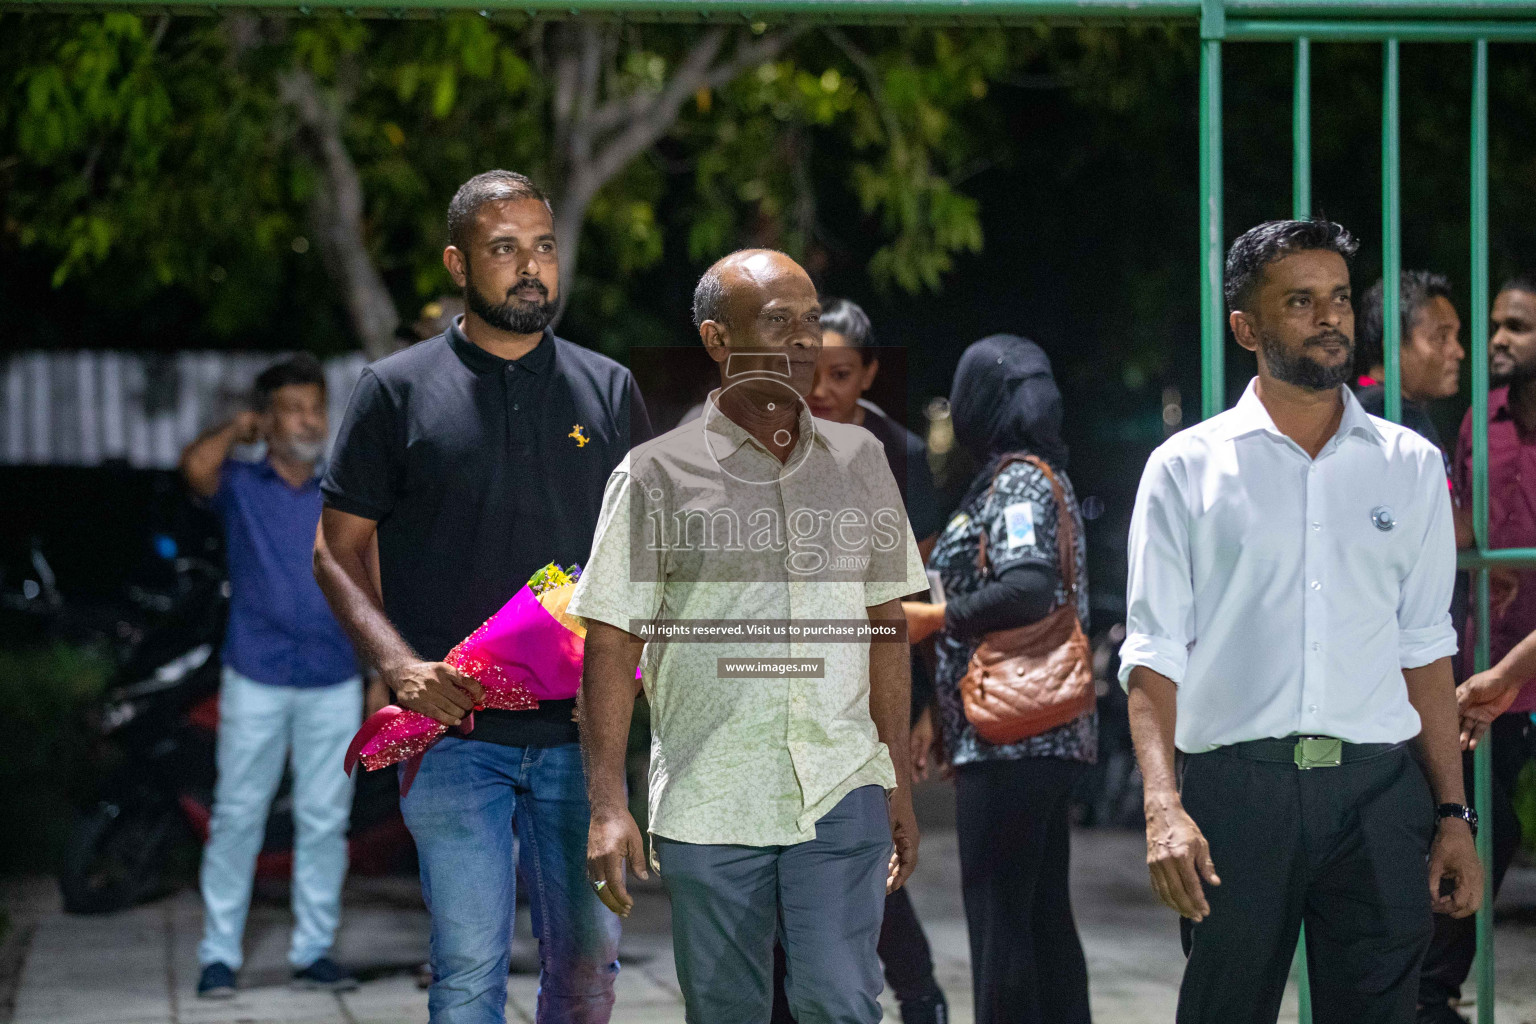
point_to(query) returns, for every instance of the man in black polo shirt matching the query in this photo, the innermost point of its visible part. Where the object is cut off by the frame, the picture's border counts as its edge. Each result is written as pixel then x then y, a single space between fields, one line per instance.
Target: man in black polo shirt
pixel 473 459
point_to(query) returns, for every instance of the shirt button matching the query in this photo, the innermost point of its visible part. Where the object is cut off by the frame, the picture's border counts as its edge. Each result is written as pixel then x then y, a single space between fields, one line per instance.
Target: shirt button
pixel 1317 584
pixel 1317 526
pixel 1316 646
pixel 1312 708
pixel 515 407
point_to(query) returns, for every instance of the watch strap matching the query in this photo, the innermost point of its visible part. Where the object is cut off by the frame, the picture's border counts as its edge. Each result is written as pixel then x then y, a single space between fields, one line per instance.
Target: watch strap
pixel 1461 811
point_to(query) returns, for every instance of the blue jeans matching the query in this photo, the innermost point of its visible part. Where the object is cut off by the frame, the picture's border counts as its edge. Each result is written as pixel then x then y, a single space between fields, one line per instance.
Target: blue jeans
pixel 260 728
pixel 468 800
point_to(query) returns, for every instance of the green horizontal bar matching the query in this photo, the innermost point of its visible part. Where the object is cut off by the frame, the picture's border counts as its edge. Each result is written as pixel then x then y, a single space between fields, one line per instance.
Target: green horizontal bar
pixel 1375 31
pixel 1471 558
pixel 990 11
pixel 1383 9
pixel 716 10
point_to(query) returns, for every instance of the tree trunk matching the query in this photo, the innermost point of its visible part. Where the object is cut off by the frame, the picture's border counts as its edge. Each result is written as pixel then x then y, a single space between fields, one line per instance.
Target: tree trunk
pixel 596 140
pixel 336 214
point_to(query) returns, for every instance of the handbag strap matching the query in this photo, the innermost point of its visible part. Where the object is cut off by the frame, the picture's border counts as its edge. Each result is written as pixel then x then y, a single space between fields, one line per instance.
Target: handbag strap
pixel 1066 537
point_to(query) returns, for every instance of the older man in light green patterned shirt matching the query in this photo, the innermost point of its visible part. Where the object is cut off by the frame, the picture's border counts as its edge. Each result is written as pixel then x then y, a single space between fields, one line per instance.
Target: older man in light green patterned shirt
pixel 751 563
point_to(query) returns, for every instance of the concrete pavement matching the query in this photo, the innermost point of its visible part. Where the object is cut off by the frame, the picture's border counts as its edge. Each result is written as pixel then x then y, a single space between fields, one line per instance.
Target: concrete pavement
pixel 140 967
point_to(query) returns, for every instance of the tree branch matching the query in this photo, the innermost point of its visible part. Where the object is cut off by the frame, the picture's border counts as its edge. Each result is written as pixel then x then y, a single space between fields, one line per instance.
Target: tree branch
pixel 617 111
pixel 588 76
pixel 752 54
pixel 859 59
pixel 563 107
pixel 337 213
pixel 642 118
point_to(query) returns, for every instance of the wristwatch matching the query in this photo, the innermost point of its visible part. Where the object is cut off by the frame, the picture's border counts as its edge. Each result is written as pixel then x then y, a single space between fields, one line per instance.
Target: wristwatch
pixel 1461 811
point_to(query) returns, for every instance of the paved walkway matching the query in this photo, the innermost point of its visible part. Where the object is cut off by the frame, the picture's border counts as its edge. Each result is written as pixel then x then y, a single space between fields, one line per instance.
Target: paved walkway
pixel 140 967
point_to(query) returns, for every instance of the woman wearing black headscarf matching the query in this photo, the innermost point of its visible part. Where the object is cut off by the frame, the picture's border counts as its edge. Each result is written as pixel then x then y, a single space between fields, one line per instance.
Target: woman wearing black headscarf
pixel 1011 800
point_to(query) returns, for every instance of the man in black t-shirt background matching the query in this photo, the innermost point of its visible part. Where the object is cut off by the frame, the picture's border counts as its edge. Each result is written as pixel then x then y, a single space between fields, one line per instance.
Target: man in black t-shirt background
pixel 473 459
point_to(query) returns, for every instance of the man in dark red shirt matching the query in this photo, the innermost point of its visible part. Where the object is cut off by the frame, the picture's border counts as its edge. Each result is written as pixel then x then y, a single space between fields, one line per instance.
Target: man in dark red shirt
pixel 1505 695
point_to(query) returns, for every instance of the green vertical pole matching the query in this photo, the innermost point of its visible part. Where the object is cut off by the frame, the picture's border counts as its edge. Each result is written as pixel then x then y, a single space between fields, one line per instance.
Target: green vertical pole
pixel 1301 209
pixel 1303 980
pixel 1483 787
pixel 1213 327
pixel 1391 241
pixel 1482 775
pixel 1301 133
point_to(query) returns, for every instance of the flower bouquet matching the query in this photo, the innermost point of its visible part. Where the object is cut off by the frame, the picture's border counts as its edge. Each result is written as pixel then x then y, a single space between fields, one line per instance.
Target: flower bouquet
pixel 529 651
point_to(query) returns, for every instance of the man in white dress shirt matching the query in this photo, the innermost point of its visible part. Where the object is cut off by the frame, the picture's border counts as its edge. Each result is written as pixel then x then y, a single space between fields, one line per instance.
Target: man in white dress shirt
pixel 1291 563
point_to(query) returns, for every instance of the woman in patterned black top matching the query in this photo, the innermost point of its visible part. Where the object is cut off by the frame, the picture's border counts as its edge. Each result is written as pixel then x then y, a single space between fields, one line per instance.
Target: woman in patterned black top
pixel 1011 801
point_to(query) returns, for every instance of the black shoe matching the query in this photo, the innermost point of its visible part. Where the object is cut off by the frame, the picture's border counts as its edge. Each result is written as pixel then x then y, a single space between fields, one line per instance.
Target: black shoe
pixel 927 1010
pixel 324 974
pixel 216 982
pixel 1439 1013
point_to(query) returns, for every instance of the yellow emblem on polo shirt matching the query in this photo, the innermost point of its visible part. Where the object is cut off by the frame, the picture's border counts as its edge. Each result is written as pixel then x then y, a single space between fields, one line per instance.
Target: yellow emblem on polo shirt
pixel 581 439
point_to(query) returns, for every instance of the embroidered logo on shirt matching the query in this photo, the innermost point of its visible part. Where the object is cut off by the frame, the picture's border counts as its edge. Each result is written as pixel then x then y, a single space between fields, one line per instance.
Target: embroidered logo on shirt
pixel 1020 521
pixel 581 439
pixel 1381 516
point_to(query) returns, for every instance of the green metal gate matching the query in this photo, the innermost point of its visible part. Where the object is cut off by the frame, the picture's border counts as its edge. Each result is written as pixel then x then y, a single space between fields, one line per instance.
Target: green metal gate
pixel 1215 29
pixel 1475 23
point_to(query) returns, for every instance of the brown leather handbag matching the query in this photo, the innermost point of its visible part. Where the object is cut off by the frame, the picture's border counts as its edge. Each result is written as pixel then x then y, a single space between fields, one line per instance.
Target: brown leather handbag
pixel 1024 681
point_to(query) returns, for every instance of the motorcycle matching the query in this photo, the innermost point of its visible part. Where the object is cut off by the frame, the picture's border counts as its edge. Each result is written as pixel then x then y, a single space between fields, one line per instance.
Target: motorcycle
pixel 154 736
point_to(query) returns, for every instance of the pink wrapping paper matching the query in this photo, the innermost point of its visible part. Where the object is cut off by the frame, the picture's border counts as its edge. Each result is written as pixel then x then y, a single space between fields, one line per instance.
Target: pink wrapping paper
pixel 525 645
pixel 520 655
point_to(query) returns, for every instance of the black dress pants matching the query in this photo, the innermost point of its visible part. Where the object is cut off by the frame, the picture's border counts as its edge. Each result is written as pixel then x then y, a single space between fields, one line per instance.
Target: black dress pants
pixel 1342 848
pixel 1455 943
pixel 1011 823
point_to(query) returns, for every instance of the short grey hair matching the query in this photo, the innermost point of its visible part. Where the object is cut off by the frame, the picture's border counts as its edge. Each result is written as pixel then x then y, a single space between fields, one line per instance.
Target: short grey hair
pixel 709 293
pixel 709 296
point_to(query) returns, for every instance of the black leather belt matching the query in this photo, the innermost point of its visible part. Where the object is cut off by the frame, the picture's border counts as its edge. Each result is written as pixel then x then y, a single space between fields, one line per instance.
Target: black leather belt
pixel 1308 751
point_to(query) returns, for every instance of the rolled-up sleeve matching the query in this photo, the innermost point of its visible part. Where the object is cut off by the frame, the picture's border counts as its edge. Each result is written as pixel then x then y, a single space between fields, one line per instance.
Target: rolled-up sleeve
pixel 1160 602
pixel 1424 630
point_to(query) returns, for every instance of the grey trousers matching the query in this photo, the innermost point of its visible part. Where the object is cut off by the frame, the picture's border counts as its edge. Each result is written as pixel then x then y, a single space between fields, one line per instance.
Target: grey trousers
pixel 824 899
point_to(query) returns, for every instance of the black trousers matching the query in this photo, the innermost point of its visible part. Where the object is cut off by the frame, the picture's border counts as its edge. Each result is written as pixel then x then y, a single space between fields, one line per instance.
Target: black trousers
pixel 903 950
pixel 1011 821
pixel 1455 943
pixel 1342 848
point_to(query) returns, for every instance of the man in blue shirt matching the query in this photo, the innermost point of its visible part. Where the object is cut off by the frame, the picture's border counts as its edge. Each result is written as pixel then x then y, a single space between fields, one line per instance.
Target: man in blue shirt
pixel 290 686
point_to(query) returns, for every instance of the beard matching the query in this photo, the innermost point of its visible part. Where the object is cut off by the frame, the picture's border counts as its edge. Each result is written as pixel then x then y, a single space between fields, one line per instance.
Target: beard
pixel 300 449
pixel 1299 368
pixel 513 315
pixel 1515 373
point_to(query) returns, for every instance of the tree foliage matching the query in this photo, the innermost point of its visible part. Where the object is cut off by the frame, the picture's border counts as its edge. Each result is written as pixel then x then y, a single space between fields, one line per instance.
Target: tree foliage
pixel 222 156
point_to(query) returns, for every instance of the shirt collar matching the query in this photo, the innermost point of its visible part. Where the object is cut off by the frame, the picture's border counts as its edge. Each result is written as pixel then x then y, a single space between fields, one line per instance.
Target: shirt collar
pixel 1249 416
pixel 266 469
pixel 724 435
pixel 1498 404
pixel 537 360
